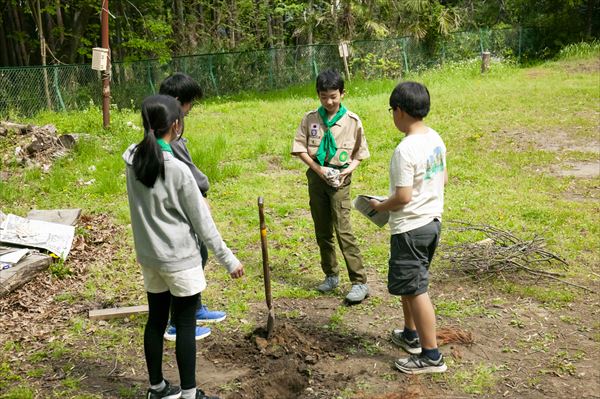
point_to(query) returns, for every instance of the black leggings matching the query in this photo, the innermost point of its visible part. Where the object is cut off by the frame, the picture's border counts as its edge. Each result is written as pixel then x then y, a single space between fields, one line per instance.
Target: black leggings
pixel 184 319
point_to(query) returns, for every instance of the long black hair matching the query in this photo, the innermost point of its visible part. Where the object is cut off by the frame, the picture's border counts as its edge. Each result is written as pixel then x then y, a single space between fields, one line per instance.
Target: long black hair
pixel 158 115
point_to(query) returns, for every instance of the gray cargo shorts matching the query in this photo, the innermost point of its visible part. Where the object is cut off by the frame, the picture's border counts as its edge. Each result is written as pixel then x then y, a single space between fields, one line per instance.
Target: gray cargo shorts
pixel 411 253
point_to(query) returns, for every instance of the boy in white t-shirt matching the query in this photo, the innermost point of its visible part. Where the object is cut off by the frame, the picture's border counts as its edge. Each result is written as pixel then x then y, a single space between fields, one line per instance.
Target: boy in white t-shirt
pixel 417 178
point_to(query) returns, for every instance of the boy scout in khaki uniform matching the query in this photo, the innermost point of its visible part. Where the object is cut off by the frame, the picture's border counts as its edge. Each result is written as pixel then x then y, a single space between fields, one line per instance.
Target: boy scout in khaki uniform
pixel 331 142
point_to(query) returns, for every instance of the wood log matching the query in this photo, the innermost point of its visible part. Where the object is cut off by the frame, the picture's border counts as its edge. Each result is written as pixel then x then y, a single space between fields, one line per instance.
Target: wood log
pixel 17 127
pixel 70 140
pixel 113 313
pixel 22 272
pixel 485 61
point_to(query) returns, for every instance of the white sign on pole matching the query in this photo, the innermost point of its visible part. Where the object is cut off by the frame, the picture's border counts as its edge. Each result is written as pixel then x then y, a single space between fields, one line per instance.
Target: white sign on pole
pixel 99 58
pixel 343 48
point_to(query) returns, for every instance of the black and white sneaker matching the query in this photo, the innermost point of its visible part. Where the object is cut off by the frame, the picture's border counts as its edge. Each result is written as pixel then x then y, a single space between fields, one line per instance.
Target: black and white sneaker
pixel 419 364
pixel 168 392
pixel 201 395
pixel 412 346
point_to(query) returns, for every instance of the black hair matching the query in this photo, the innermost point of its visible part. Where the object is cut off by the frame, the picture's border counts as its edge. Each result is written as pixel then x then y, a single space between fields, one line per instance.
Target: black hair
pixel 330 79
pixel 412 98
pixel 181 86
pixel 159 112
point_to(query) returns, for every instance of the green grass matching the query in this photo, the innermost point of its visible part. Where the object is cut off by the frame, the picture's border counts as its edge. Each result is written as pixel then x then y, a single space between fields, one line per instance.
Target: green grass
pixel 580 50
pixel 243 145
pixel 476 381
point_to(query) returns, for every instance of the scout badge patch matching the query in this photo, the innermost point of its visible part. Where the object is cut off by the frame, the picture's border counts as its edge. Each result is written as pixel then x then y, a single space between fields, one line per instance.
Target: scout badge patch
pixel 314 130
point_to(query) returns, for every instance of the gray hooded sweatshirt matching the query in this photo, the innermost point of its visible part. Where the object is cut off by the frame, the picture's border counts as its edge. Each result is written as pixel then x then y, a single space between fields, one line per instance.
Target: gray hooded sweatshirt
pixel 169 219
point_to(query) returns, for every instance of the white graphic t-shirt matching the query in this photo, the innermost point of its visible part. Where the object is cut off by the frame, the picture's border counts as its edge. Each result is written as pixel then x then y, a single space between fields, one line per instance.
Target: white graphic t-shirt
pixel 418 161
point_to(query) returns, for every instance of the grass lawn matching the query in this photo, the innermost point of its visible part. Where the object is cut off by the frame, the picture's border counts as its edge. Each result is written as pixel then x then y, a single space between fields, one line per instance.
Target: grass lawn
pixel 516 139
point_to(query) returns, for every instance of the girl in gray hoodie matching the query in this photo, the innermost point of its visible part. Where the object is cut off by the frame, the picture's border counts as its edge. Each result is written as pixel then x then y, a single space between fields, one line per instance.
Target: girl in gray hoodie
pixel 168 218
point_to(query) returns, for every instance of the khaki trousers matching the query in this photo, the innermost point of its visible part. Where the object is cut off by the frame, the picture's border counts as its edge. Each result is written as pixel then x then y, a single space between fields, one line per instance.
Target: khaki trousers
pixel 330 209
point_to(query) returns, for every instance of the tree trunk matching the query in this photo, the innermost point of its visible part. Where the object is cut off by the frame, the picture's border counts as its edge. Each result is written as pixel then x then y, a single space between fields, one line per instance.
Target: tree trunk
pixel 257 22
pixel 79 23
pixel 60 23
pixel 309 27
pixel 4 60
pixel 232 16
pixel 348 20
pixel 119 48
pixel 40 27
pixel 22 51
pixel 269 23
pixel 179 31
pixel 589 18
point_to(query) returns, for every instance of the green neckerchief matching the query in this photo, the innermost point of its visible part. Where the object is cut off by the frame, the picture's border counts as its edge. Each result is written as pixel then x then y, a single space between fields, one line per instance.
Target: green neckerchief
pixel 328 146
pixel 164 146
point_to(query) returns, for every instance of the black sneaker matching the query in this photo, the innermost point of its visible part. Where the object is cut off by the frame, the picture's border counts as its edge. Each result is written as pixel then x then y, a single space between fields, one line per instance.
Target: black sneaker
pixel 419 364
pixel 412 346
pixel 201 395
pixel 168 392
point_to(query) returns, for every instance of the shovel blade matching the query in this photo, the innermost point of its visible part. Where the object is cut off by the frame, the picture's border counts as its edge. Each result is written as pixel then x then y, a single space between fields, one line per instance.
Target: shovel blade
pixel 270 323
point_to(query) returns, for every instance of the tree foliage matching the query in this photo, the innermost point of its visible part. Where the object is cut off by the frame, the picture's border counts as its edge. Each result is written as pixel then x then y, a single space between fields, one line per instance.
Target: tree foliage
pixel 161 29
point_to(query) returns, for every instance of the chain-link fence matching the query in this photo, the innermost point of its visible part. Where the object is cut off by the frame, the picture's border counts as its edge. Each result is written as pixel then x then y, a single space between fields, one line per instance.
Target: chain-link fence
pixel 27 90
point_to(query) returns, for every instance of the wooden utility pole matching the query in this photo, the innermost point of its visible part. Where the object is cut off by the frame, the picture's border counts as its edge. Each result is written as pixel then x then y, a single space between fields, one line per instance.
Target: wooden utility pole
pixel 105 74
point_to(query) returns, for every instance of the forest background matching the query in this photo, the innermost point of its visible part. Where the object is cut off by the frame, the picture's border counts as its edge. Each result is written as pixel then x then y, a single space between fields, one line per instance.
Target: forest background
pixel 34 32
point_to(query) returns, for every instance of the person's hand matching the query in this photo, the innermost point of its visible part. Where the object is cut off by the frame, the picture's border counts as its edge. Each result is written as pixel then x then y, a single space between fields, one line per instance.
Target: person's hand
pixel 343 174
pixel 321 171
pixel 238 272
pixel 373 203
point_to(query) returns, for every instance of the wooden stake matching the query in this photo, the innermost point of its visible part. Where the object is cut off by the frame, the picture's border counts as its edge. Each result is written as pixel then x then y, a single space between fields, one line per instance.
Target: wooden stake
pixel 485 61
pixel 113 313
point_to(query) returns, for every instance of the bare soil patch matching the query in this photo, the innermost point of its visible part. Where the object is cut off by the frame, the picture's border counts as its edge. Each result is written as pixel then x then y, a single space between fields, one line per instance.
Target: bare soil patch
pixel 534 350
pixel 580 169
pixel 575 66
pixel 553 140
pixel 591 65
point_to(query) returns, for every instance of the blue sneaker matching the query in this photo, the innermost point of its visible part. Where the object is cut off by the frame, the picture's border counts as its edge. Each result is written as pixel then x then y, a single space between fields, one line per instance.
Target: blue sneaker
pixel 203 315
pixel 171 333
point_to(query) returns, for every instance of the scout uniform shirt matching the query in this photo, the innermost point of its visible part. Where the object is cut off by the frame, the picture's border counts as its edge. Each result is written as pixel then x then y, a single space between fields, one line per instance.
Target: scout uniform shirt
pixel 348 134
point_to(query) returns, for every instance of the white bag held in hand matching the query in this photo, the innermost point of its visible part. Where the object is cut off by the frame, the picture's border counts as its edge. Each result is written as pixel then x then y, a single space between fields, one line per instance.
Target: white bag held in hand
pixel 332 177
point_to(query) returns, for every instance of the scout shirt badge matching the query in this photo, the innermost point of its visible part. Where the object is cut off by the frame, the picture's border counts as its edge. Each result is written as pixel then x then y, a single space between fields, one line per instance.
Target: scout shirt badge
pixel 314 130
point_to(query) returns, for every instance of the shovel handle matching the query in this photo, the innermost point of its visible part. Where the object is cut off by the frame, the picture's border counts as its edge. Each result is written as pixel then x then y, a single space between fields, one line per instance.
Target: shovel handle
pixel 265 253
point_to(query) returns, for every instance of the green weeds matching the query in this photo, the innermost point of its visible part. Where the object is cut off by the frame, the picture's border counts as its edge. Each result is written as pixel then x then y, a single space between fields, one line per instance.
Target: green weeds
pixel 494 125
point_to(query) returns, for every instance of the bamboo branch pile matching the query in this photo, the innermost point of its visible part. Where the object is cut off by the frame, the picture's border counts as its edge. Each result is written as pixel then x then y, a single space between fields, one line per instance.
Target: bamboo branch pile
pixel 502 253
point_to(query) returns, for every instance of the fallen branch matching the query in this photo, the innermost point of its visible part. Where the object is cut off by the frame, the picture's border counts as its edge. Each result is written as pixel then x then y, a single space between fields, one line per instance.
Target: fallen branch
pixel 503 253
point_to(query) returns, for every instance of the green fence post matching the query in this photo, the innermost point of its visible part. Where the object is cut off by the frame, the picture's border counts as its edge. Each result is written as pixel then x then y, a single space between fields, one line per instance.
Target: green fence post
pixel 443 51
pixel 404 55
pixel 481 40
pixel 271 61
pixel 150 78
pixel 57 88
pixel 315 68
pixel 212 75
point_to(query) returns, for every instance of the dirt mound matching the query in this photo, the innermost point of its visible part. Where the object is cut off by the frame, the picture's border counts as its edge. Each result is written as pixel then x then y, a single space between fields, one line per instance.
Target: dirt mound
pixel 281 367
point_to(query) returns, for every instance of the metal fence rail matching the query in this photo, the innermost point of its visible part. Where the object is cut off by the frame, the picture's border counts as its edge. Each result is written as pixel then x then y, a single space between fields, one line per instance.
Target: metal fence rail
pixel 25 91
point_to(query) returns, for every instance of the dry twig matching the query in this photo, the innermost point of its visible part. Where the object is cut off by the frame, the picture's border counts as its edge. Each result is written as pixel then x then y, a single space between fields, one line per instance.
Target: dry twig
pixel 502 253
